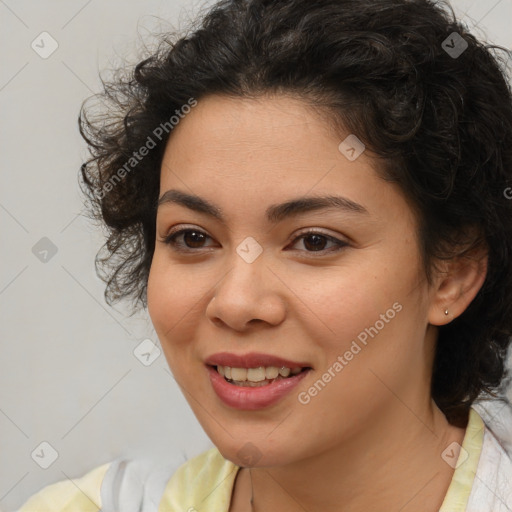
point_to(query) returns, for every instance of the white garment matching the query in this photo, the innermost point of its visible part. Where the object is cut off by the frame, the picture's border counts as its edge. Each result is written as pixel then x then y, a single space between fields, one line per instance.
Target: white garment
pixel 134 485
pixel 492 487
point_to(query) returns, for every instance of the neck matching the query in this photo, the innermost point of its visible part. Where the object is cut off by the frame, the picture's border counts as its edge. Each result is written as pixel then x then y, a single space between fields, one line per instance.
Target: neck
pixel 395 463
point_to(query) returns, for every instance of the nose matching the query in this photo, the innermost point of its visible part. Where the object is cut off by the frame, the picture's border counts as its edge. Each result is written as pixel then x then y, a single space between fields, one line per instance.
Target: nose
pixel 248 294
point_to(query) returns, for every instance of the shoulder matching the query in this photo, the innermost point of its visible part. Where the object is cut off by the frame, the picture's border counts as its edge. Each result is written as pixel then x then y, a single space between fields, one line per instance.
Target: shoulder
pixel 131 485
pixel 492 489
pixel 203 483
pixel 127 485
pixel 74 494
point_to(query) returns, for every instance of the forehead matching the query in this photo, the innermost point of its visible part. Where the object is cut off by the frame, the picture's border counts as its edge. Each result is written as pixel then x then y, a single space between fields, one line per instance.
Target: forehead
pixel 253 151
pixel 222 127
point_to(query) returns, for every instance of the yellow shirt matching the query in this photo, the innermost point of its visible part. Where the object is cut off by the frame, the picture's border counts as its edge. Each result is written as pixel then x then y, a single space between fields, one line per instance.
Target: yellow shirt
pixel 205 483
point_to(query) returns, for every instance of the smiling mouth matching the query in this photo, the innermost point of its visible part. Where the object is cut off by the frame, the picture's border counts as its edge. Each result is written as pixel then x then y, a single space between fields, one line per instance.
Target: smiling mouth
pixel 257 377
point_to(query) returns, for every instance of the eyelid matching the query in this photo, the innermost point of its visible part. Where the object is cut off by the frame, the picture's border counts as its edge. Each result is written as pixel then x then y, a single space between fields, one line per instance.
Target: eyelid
pixel 302 231
pixel 182 227
pixel 177 231
pixel 314 230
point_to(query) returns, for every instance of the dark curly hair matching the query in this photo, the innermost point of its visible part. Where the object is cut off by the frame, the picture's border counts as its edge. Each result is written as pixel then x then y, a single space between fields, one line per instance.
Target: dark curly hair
pixel 422 93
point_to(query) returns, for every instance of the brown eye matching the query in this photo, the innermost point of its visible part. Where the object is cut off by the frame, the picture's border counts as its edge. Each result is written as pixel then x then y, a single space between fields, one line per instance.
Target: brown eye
pixel 315 241
pixel 192 239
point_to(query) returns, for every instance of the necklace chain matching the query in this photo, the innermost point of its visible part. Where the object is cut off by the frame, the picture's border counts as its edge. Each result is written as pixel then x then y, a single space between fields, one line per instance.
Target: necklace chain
pixel 252 492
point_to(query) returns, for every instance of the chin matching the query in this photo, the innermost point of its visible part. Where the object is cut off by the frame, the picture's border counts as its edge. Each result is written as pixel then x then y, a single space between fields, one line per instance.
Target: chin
pixel 254 454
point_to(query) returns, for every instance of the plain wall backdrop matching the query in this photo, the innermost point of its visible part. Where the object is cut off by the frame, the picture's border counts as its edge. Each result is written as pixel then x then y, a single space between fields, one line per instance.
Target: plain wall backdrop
pixel 69 373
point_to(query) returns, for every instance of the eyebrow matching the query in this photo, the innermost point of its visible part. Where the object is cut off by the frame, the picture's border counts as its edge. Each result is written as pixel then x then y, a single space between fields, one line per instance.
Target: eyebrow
pixel 274 213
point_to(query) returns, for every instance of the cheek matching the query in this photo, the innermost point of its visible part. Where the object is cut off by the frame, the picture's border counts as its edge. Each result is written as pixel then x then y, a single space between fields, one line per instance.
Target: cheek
pixel 167 304
pixel 174 299
pixel 157 293
pixel 169 297
pixel 347 300
pixel 362 312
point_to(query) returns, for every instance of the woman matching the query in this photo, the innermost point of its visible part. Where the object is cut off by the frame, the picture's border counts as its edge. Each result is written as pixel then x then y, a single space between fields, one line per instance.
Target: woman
pixel 311 200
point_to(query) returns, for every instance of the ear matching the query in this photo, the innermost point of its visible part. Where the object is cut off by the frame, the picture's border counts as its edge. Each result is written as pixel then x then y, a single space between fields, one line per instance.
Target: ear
pixel 456 286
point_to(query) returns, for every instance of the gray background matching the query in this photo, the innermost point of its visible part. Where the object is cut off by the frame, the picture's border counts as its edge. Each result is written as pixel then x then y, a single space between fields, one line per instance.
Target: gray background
pixel 68 372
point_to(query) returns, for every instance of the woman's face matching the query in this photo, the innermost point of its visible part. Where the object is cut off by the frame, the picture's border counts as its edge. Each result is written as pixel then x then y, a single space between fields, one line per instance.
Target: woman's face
pixel 347 301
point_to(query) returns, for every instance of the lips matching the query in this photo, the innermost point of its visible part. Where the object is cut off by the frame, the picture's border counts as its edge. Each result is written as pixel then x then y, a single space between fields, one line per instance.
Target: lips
pixel 253 398
pixel 252 360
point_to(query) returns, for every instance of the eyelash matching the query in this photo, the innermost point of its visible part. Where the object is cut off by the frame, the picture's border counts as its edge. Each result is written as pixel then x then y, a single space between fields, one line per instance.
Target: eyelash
pixel 170 240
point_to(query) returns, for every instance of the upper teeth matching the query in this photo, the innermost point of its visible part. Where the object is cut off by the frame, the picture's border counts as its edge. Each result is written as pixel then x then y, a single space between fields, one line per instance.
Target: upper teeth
pixel 256 374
